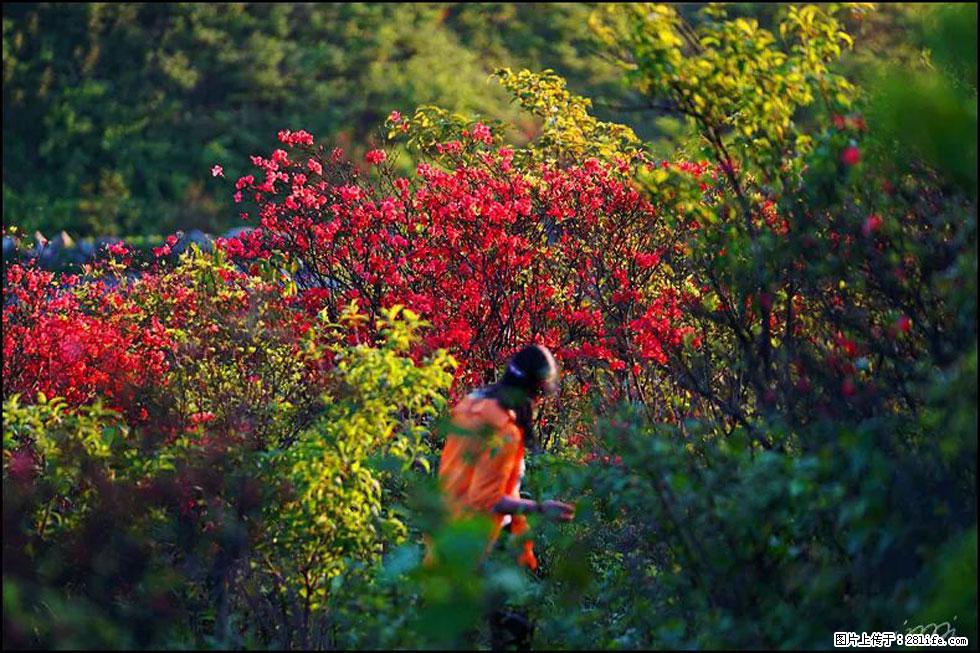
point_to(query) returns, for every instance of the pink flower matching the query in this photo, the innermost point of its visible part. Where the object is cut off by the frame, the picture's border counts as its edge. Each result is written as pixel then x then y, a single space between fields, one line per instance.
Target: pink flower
pixel 119 249
pixel 217 171
pixel 851 155
pixel 395 117
pixel 904 324
pixel 301 137
pixel 482 133
pixel 242 182
pixel 871 224
pixel 280 156
pixel 375 157
pixel 201 418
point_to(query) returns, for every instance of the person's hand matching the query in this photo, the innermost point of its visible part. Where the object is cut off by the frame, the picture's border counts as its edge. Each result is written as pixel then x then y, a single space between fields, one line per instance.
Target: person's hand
pixel 557 510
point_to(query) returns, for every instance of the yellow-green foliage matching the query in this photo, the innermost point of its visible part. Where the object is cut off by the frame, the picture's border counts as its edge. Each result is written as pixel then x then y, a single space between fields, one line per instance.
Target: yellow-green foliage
pixel 238 353
pixel 569 132
pixel 62 440
pixel 380 404
pixel 430 125
pixel 731 75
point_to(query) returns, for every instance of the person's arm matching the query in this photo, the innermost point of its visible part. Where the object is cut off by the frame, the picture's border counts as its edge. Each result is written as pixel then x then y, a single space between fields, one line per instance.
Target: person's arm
pixel 552 509
pixel 487 489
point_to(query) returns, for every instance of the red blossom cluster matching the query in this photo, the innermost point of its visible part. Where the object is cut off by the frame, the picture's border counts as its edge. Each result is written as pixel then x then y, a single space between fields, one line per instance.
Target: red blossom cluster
pixel 77 346
pixel 489 256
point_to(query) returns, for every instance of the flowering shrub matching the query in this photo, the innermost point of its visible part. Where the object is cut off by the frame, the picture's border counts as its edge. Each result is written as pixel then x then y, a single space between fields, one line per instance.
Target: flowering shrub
pixel 492 257
pixel 338 504
pixel 245 359
pixel 787 315
pixel 80 341
pixel 803 288
pixel 170 348
pixel 206 511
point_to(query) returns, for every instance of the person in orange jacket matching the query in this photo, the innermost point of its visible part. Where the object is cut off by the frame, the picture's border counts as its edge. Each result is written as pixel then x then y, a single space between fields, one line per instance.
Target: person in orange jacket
pixel 482 467
pixel 482 462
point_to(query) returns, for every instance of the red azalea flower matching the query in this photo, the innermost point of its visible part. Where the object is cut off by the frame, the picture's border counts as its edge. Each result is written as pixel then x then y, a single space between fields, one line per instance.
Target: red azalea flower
pixel 851 155
pixel 904 324
pixel 871 224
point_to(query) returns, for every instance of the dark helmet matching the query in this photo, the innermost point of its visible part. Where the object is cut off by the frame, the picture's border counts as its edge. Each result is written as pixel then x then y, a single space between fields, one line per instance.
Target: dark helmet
pixel 534 370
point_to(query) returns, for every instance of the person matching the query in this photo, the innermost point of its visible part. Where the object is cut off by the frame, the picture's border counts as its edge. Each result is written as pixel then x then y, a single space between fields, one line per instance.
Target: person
pixel 482 465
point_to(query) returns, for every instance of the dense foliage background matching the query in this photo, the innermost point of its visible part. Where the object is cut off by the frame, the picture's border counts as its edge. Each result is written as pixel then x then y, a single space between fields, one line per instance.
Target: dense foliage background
pixel 748 233
pixel 113 113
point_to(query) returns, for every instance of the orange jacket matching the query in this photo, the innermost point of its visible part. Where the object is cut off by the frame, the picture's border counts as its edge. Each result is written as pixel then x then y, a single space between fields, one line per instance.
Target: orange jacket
pixel 484 463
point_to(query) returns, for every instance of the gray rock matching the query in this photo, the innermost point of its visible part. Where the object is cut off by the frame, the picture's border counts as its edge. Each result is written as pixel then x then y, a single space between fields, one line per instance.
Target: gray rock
pixel 197 237
pixel 62 241
pixel 40 243
pixel 85 249
pixel 201 239
pixel 57 250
